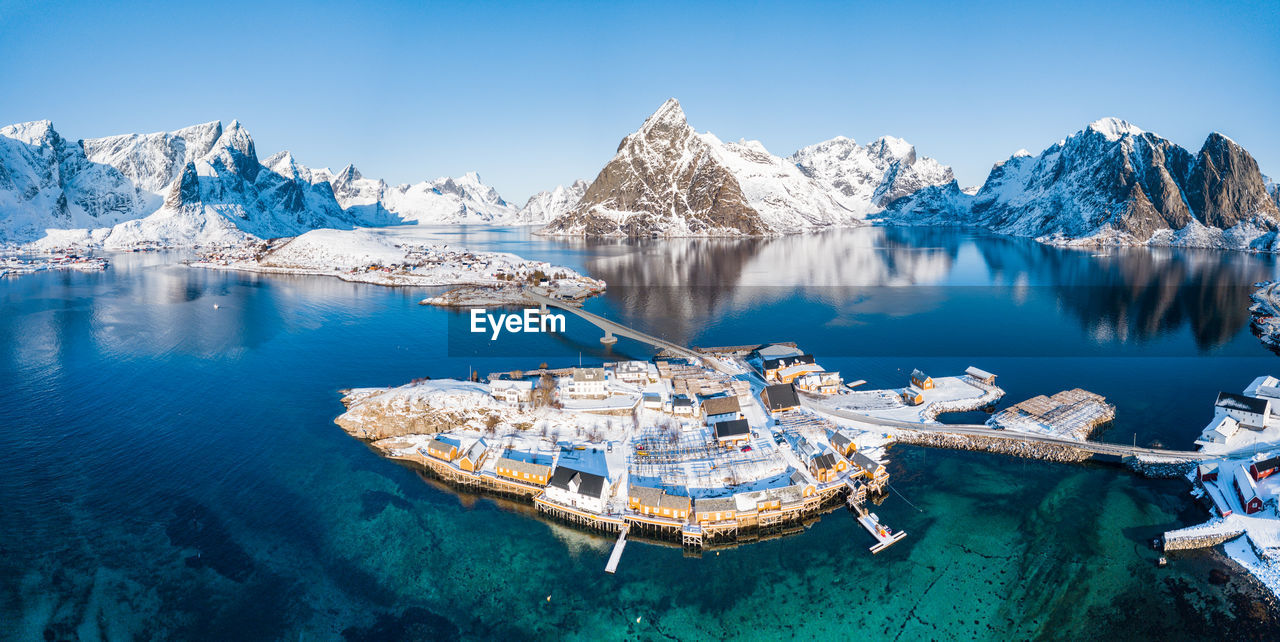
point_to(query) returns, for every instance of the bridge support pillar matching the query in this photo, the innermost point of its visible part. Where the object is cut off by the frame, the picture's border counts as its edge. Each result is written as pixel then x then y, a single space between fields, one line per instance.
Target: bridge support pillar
pixel 608 338
pixel 542 308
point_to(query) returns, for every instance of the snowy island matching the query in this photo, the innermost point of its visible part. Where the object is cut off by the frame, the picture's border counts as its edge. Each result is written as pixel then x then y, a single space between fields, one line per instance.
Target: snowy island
pixel 372 256
pixel 715 447
pixel 702 453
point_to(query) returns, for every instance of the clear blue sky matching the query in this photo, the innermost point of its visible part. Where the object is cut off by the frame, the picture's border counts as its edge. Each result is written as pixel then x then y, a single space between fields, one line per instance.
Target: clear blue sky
pixel 533 96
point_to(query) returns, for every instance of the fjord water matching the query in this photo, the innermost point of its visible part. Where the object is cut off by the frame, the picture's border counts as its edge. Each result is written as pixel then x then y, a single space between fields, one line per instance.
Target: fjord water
pixel 171 469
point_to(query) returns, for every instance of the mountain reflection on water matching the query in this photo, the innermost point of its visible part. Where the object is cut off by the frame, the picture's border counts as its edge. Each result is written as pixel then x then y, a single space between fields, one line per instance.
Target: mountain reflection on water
pixel 1116 295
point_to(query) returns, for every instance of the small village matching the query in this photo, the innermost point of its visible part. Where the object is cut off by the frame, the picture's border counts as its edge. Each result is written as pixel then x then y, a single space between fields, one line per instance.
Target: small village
pixel 1240 484
pixel 718 452
pixel 18 265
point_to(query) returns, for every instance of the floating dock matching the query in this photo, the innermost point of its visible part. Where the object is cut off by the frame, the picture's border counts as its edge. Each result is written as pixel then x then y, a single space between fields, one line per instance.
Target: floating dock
pixel 616 555
pixel 884 537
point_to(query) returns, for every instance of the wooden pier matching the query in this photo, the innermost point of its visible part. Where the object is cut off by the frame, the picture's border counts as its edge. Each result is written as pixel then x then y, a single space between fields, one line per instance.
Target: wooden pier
pixel 616 555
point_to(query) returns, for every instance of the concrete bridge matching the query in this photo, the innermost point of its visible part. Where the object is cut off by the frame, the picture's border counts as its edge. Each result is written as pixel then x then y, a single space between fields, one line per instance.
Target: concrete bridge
pixel 612 330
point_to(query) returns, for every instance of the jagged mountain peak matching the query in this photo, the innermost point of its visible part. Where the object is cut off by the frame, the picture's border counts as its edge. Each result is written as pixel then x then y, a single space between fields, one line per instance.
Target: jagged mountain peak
pixel 35 132
pixel 1115 184
pixel 668 180
pixel 892 147
pixel 1113 128
pixel 348 173
pixel 669 114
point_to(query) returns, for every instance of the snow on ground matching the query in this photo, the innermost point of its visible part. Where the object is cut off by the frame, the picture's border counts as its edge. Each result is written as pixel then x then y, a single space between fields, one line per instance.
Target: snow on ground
pixel 381 258
pixel 949 394
pixel 336 250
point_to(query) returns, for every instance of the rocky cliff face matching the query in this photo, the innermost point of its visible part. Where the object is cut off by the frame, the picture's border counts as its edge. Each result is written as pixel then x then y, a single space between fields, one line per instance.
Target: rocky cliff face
pixel 665 180
pixel 1112 183
pixel 1225 187
pixel 668 180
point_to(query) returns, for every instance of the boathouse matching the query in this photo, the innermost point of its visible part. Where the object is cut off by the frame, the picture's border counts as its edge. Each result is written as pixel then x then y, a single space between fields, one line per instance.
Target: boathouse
pixel 708 510
pixel 674 506
pixel 1263 466
pixel 732 433
pixel 874 470
pixel 921 380
pixel 656 502
pixel 578 489
pixel 982 376
pixel 1247 492
pixel 473 458
pixel 780 398
pixel 441 449
pixel 523 471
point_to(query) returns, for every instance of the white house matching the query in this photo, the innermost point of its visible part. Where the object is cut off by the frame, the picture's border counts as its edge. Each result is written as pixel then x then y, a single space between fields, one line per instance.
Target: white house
pixel 1251 412
pixel 588 383
pixel 512 391
pixel 578 489
pixel 1221 430
pixel 635 372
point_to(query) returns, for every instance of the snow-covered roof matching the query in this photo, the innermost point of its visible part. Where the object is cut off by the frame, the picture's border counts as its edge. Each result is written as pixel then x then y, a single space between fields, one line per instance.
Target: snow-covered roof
pixel 978 372
pixel 1232 401
pixel 775 351
pixel 1245 483
pixel 1265 381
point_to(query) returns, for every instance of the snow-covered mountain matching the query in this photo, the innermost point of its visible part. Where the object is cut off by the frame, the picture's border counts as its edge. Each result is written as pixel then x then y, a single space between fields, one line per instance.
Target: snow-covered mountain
pixel 1273 188
pixel 465 199
pixel 198 185
pixel 864 179
pixel 48 182
pixel 668 180
pixel 544 206
pixel 1113 184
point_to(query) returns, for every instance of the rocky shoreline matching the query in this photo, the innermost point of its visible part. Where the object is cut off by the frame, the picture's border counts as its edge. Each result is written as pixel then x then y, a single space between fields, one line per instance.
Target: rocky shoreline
pixel 1028 450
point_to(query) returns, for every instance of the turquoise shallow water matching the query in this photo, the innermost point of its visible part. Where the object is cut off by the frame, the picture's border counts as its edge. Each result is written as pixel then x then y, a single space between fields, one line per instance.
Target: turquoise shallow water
pixel 172 470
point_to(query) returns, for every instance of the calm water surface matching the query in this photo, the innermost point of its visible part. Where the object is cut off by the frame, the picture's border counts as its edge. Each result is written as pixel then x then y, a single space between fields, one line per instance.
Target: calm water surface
pixel 168 469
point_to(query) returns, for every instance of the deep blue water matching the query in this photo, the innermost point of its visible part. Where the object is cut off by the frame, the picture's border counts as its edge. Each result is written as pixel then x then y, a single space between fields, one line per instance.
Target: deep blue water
pixel 168 469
